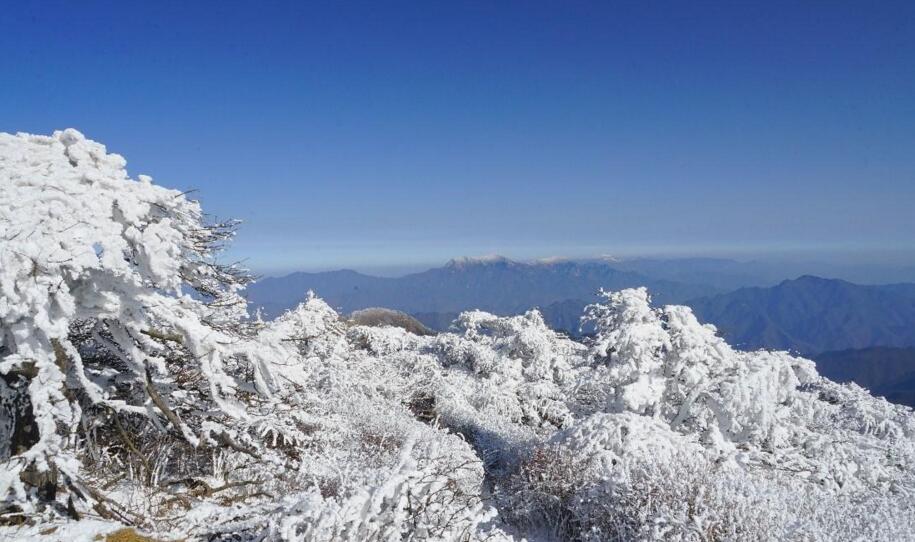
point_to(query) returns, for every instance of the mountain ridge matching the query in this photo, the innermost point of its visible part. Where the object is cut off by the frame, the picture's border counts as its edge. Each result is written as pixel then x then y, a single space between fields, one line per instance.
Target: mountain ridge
pixel 813 314
pixel 885 371
pixel 495 284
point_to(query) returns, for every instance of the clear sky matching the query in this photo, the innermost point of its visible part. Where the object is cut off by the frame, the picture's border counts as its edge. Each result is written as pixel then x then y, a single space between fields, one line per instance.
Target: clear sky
pixel 379 133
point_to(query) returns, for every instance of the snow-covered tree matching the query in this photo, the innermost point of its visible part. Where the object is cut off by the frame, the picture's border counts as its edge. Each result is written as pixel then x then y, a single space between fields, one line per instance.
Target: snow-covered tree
pixel 112 307
pixel 632 341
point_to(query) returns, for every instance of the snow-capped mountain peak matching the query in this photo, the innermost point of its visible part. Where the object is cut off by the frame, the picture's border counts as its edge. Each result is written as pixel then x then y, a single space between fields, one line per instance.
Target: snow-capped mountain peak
pixel 468 261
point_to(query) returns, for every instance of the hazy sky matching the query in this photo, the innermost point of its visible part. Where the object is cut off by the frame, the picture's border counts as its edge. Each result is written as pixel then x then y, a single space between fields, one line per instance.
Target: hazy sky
pixel 349 134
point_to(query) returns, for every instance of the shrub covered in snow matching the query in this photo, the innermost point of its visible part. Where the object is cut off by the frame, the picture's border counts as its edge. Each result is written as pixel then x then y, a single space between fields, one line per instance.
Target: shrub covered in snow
pixel 111 305
pixel 136 391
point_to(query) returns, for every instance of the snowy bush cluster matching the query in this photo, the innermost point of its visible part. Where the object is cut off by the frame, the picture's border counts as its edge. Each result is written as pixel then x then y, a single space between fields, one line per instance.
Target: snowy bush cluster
pixel 136 391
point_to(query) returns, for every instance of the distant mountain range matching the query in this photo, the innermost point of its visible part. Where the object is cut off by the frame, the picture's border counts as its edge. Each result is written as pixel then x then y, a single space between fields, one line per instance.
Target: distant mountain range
pixel 888 372
pixel 720 273
pixel 726 274
pixel 494 284
pixel 810 315
pixel 854 332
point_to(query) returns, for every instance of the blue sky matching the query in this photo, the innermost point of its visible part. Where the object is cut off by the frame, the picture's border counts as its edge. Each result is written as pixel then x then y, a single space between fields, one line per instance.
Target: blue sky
pixel 385 134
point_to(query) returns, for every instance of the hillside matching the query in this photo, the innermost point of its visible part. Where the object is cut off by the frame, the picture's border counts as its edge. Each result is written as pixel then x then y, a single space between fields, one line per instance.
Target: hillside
pixel 811 315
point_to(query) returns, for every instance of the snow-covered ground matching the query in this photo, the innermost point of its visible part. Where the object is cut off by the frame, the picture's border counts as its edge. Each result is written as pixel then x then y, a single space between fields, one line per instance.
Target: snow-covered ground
pixel 137 392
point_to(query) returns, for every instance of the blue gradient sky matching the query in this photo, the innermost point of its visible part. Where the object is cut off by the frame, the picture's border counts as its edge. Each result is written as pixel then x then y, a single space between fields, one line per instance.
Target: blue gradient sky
pixel 376 134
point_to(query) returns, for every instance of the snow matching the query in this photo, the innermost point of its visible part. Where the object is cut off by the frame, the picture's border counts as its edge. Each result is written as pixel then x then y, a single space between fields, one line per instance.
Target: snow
pixel 179 414
pixel 551 260
pixel 467 261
